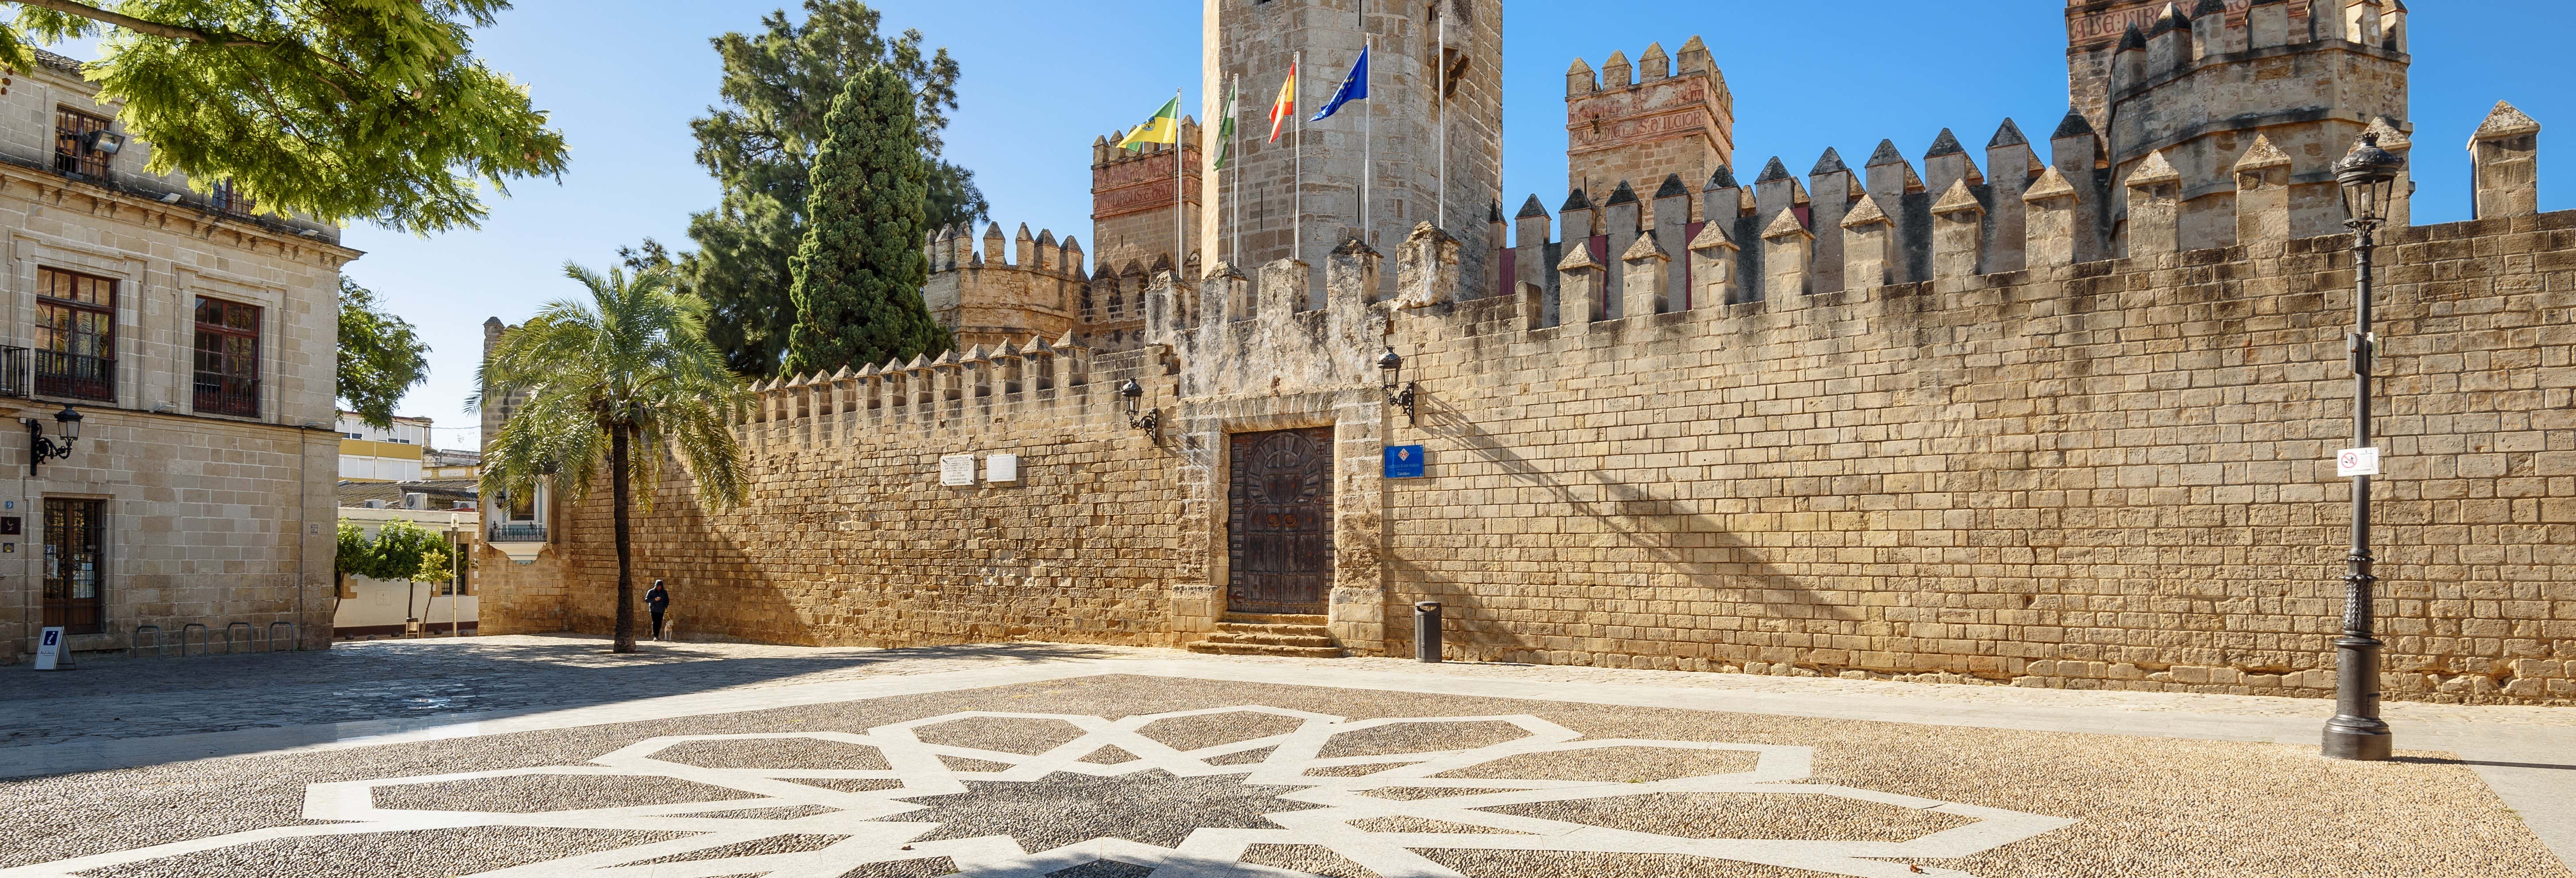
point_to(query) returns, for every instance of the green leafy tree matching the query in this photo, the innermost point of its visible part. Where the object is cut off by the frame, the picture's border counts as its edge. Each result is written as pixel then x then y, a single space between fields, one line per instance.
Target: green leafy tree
pixel 778 89
pixel 381 356
pixel 410 553
pixel 860 269
pixel 613 387
pixel 373 110
pixel 356 556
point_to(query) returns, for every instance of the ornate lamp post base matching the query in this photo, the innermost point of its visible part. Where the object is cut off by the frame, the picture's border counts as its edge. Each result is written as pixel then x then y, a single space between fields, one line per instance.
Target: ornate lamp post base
pixel 2356 732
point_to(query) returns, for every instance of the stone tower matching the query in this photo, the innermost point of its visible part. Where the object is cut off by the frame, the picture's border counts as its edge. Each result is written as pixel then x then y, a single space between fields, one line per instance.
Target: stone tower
pixel 1254 39
pixel 1639 123
pixel 2200 80
pixel 1133 196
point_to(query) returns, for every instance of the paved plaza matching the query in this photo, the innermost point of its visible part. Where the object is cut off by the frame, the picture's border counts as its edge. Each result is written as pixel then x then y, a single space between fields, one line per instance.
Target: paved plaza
pixel 544 756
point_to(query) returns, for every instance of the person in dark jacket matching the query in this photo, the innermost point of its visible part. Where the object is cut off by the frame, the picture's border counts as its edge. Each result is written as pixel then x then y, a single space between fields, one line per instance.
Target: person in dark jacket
pixel 658 600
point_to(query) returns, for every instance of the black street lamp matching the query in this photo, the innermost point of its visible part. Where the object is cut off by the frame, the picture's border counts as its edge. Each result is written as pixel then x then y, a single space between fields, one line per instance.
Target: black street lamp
pixel 41 447
pixel 1152 421
pixel 2367 174
pixel 1398 391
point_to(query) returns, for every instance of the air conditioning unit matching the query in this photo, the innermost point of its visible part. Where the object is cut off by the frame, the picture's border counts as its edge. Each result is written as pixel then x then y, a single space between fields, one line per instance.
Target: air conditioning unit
pixel 375 504
pixel 463 506
pixel 415 500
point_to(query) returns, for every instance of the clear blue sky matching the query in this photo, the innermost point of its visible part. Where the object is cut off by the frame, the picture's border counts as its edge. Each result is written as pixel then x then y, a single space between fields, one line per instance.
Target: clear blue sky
pixel 1041 80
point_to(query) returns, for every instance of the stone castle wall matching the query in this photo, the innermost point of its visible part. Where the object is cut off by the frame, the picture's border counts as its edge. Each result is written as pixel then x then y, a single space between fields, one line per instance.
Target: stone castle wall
pixel 850 537
pixel 2069 472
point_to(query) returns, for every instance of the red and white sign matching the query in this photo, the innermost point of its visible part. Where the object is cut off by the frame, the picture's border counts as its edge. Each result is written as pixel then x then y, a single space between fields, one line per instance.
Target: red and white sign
pixel 2357 462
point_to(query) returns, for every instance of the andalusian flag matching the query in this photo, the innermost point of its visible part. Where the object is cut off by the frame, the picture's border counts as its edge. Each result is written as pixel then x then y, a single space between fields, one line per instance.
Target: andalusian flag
pixel 1165 127
pixel 1286 105
pixel 1225 129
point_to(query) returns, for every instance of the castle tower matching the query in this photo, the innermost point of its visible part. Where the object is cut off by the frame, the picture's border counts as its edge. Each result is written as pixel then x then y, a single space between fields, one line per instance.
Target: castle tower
pixel 2200 80
pixel 1132 198
pixel 1255 42
pixel 1663 116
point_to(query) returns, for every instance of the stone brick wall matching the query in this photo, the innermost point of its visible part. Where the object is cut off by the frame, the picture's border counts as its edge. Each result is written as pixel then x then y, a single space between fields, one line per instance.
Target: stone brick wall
pixel 2113 474
pixel 851 539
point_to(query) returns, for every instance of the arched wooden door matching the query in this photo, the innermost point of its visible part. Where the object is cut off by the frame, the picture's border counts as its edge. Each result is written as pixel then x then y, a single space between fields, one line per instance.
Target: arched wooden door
pixel 1279 524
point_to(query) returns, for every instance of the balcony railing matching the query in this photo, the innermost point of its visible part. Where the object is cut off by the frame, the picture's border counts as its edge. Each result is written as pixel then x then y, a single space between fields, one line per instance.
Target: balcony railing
pixel 227 395
pixel 13 372
pixel 517 532
pixel 75 376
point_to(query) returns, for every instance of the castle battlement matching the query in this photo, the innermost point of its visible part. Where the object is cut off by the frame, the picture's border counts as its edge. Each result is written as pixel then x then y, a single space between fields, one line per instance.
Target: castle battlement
pixel 1012 288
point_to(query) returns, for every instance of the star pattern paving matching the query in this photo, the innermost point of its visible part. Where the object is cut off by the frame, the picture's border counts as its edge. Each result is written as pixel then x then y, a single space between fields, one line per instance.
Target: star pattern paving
pixel 1120 799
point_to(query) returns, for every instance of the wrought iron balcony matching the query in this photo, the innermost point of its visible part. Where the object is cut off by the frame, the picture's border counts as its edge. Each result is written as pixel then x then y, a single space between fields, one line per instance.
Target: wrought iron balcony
pixel 13 372
pixel 516 532
pixel 227 395
pixel 75 376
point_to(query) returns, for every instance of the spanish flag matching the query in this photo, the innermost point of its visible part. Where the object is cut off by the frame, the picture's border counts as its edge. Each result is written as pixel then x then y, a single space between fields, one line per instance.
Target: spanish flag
pixel 1286 105
pixel 1165 127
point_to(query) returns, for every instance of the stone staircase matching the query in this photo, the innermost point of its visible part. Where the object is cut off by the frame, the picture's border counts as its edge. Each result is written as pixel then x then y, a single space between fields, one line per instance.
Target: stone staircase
pixel 1269 634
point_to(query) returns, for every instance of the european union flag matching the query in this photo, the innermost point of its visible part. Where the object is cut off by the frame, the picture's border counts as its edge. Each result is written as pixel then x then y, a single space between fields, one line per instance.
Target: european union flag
pixel 1354 88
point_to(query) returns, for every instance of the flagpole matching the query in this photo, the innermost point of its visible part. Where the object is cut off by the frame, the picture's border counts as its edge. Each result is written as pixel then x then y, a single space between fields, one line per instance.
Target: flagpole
pixel 1296 164
pixel 1180 192
pixel 1234 180
pixel 1440 90
pixel 1368 138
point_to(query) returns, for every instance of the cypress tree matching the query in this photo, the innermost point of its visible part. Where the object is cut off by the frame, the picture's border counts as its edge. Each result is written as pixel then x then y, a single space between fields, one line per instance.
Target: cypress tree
pixel 859 271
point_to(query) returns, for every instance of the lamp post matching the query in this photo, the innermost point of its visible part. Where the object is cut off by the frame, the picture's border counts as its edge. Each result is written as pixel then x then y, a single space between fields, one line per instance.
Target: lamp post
pixel 1398 391
pixel 2356 732
pixel 1151 422
pixel 41 447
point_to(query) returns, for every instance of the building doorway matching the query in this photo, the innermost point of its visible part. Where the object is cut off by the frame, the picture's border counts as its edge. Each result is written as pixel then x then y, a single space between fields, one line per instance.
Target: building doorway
pixel 74 598
pixel 1279 524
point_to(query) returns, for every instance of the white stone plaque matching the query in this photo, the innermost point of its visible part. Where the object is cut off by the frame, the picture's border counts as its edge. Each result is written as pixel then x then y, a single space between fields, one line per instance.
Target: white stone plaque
pixel 957 469
pixel 1002 468
pixel 2357 462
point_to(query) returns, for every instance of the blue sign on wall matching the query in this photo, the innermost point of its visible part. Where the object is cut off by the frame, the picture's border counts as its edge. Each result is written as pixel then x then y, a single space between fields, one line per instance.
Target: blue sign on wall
pixel 1404 461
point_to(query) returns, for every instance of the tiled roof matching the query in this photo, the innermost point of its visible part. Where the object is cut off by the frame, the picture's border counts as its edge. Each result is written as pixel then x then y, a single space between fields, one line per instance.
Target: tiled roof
pixel 443 493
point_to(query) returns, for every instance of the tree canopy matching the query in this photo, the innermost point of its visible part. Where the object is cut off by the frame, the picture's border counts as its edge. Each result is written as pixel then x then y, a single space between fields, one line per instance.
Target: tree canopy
pixel 401 551
pixel 778 89
pixel 368 110
pixel 859 271
pixel 381 356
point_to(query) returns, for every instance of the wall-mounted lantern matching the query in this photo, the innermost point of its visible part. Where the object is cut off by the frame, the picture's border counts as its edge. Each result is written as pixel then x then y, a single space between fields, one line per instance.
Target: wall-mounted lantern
pixel 41 447
pixel 1398 391
pixel 1150 421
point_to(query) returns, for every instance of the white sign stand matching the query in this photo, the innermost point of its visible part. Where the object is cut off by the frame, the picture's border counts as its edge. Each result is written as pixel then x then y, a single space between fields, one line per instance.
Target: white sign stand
pixel 49 651
pixel 2357 462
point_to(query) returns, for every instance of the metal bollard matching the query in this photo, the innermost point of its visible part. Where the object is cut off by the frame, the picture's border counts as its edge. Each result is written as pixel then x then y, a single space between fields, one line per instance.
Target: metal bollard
pixel 1426 631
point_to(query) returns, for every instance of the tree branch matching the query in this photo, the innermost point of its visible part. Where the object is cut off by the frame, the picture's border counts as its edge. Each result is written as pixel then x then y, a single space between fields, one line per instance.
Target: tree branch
pixel 154 28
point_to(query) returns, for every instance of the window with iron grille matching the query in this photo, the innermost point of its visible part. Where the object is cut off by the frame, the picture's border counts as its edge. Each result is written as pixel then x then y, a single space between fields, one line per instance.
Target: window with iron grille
pixel 75 565
pixel 227 358
pixel 226 199
pixel 75 335
pixel 73 130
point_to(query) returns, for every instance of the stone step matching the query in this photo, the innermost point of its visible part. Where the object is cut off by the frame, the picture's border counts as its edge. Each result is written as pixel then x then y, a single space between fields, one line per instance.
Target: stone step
pixel 1264 649
pixel 1271 640
pixel 1275 619
pixel 1252 628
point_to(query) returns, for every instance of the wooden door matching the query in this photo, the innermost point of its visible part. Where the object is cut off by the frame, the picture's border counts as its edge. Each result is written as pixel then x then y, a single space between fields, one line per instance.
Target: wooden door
pixel 1279 525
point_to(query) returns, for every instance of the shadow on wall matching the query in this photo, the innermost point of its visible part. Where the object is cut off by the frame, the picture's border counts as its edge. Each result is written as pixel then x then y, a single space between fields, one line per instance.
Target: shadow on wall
pixel 717 592
pixel 1674 544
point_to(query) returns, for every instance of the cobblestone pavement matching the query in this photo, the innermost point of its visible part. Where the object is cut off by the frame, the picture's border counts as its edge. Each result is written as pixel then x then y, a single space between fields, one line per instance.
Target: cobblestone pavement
pixel 852 764
pixel 115 698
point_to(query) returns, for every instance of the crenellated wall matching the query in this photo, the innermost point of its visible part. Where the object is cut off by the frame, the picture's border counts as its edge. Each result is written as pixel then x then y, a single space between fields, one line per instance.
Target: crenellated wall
pixel 1027 286
pixel 1134 194
pixel 1665 115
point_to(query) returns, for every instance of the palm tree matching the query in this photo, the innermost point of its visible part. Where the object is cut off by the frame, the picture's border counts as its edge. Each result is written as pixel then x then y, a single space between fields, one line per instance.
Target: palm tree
pixel 591 381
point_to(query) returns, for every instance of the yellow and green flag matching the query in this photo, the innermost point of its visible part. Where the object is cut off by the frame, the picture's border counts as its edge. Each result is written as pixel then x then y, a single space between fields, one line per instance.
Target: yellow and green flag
pixel 1165 127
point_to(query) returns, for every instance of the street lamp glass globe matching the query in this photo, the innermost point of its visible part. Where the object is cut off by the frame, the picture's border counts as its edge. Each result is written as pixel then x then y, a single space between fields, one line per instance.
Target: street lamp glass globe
pixel 2368 174
pixel 70 418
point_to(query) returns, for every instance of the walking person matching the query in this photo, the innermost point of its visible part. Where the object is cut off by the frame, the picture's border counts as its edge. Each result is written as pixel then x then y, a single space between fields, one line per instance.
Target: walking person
pixel 657 600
